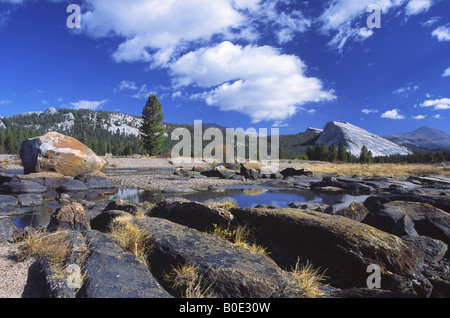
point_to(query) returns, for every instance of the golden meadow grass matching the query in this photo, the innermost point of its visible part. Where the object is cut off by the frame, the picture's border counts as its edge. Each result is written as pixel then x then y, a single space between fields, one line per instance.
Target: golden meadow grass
pixel 373 170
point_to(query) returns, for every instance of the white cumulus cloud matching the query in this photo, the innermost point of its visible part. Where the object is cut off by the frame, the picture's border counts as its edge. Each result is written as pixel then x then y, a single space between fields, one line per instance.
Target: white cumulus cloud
pixel 446 73
pixel 405 91
pixel 392 114
pixel 437 104
pixel 442 33
pixel 153 29
pixel 346 20
pixel 257 81
pixel 418 6
pixel 85 104
pixel 369 111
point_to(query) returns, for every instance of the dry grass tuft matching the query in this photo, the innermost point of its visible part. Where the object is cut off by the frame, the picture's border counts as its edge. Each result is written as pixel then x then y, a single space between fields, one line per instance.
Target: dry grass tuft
pixel 131 238
pixel 239 237
pixel 223 205
pixel 54 246
pixel 309 280
pixel 186 279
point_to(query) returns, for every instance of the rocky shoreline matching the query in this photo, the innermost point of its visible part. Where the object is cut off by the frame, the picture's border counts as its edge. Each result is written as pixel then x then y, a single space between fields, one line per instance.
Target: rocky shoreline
pixel 403 227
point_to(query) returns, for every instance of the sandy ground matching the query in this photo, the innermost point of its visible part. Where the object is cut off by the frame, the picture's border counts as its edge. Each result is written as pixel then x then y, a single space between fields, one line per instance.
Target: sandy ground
pixel 158 174
pixel 13 274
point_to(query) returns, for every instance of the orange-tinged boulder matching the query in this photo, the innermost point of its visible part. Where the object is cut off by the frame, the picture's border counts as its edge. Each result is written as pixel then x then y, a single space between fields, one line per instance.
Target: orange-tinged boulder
pixel 55 152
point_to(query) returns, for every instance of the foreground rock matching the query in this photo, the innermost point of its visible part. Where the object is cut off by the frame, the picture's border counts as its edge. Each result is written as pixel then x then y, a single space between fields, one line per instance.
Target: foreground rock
pixel 342 246
pixel 193 214
pixel 355 211
pixel 95 180
pixel 224 271
pixel 69 217
pixel 44 182
pixel 178 232
pixel 375 203
pixel 427 219
pixel 55 152
pixel 113 273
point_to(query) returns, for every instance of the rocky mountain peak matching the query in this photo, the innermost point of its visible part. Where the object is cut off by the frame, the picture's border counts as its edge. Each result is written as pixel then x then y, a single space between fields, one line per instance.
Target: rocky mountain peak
pixel 354 138
pixel 425 137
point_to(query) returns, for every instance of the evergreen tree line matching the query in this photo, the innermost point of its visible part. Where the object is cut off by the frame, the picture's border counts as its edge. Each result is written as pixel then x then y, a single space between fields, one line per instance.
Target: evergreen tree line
pixel 323 152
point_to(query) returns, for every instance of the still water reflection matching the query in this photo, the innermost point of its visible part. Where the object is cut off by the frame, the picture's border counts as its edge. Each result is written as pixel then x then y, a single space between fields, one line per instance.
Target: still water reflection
pixel 246 196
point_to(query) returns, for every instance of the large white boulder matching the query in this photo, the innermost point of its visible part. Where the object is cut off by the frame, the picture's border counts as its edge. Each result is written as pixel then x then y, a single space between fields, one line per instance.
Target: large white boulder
pixel 55 152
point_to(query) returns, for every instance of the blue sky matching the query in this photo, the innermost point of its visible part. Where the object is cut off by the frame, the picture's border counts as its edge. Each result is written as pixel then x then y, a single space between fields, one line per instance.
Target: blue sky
pixel 239 63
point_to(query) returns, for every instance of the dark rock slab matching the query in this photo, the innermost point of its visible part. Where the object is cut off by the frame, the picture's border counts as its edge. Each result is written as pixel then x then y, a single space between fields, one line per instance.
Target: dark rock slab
pixel 24 186
pixel 125 206
pixel 404 227
pixel 319 207
pixel 228 271
pixel 428 220
pixel 8 201
pixel 433 250
pixel 30 199
pixel 375 203
pixel 193 214
pixel 342 246
pixel 95 180
pixel 113 273
pixel 355 211
pixel 292 172
pixel 49 280
pixel 73 186
pixel 50 180
pixel 102 221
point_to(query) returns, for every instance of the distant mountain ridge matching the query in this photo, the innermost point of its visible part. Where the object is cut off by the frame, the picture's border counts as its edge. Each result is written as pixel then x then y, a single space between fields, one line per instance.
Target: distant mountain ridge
pixel 424 137
pixel 102 131
pixel 118 133
pixel 110 121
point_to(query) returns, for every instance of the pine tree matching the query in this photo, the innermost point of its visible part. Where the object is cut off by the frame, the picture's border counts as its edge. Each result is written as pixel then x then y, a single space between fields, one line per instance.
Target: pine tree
pixel 342 152
pixel 370 157
pixel 323 152
pixel 332 153
pixel 364 155
pixel 152 130
pixel 310 153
